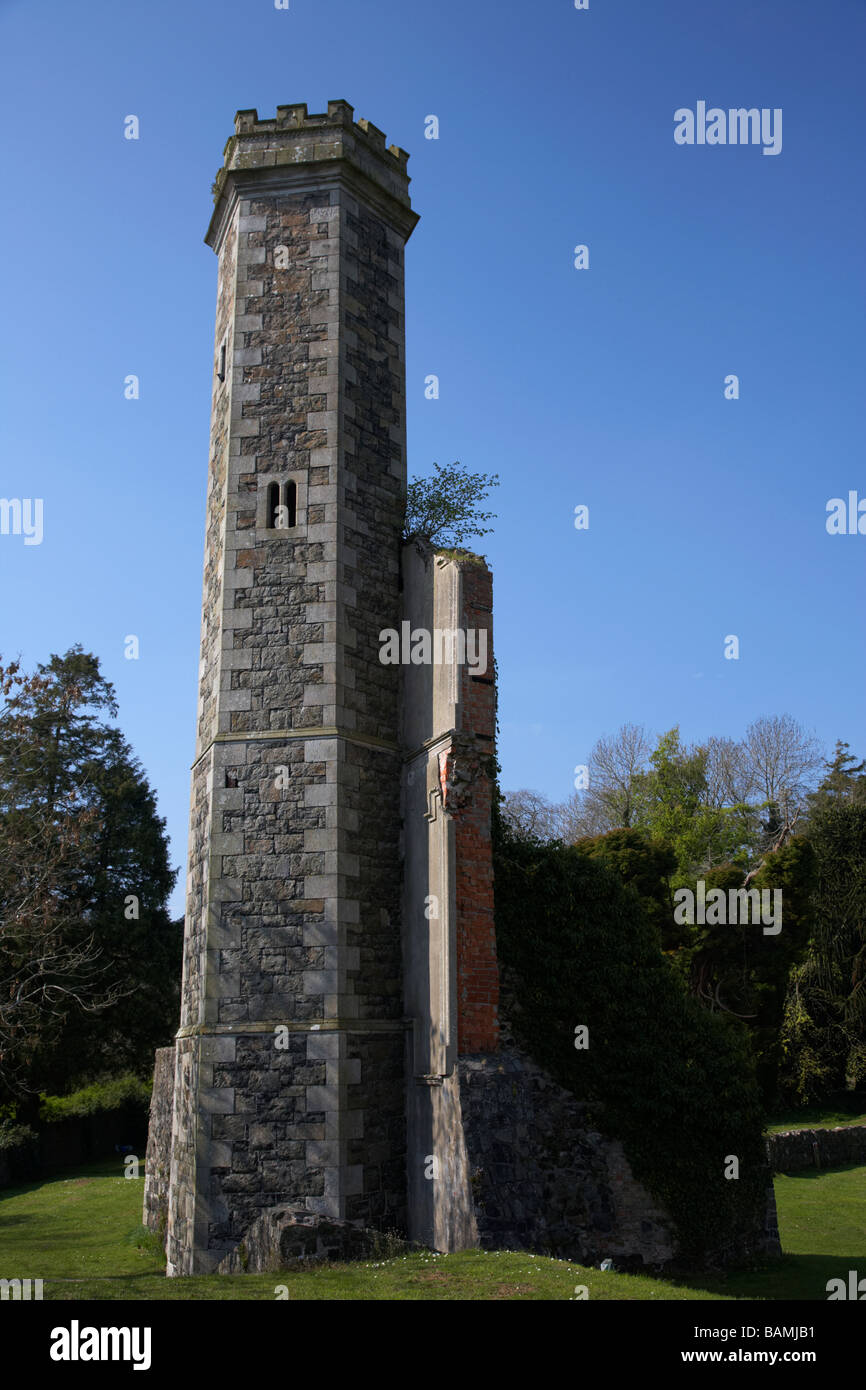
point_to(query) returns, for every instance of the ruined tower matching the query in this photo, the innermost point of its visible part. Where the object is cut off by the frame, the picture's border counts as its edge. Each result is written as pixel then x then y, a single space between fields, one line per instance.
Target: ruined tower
pixel 289 1084
pixel 338 1058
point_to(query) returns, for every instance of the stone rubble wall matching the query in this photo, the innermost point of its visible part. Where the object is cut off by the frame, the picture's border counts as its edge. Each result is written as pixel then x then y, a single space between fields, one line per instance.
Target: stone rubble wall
pixel 284 1237
pixel 543 1179
pixel 157 1162
pixel 816 1148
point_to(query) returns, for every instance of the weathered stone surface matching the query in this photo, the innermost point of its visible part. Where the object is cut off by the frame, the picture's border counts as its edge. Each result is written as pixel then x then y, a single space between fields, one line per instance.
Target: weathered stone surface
pixel 284 1237
pixel 157 1163
pixel 293 926
pixel 544 1179
pixel 816 1148
pixel 449 943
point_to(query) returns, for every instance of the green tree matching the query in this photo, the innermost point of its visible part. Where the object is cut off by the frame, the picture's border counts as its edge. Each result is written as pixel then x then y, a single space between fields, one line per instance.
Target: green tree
pixel 645 867
pixel 673 804
pixel 824 1030
pixel 443 510
pixel 68 778
pixel 844 780
pixel 735 968
pixel 48 966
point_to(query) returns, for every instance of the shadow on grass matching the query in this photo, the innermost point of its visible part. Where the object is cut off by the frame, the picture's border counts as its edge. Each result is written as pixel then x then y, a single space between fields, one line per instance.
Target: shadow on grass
pixel 18 1191
pixel 822 1213
pixel 811 1174
pixel 103 1168
pixel 104 1278
pixel 817 1223
pixel 798 1277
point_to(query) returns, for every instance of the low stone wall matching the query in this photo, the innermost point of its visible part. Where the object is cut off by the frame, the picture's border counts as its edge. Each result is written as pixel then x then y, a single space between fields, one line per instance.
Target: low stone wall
pixel 157 1163
pixel 816 1148
pixel 543 1179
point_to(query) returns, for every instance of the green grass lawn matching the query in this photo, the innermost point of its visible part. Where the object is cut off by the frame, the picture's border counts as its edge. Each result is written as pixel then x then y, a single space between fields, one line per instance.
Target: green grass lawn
pixel 815 1117
pixel 822 1223
pixel 80 1233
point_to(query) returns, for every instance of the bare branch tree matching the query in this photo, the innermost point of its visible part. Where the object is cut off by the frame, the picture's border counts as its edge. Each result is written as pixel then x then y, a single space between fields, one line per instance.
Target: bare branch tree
pixel 782 761
pixel 730 781
pixel 529 814
pixel 614 766
pixel 578 817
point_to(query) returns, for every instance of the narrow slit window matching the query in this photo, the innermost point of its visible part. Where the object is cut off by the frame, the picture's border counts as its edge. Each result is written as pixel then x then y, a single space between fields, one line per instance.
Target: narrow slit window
pixel 290 495
pixel 273 505
pixel 221 369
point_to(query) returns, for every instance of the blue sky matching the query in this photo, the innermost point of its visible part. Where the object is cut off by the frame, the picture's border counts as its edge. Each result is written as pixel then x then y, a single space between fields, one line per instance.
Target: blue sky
pixel 603 387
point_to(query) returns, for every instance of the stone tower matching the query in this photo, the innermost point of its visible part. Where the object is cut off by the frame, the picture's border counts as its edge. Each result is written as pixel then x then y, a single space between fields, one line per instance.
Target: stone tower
pixel 338 1057
pixel 290 1067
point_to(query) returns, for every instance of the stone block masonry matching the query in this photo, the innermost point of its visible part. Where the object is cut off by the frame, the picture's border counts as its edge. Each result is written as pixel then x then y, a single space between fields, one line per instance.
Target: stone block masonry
pixel 289 1059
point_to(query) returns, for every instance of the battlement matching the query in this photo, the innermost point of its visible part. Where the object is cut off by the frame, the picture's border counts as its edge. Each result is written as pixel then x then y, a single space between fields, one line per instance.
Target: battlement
pixel 339 115
pixel 296 136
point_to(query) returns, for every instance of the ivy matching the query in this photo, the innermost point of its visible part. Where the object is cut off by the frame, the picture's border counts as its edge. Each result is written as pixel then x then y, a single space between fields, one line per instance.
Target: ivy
pixel 674 1083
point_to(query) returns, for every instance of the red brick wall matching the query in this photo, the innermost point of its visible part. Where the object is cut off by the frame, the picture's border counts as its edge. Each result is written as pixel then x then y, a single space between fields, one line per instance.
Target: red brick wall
pixel 477 971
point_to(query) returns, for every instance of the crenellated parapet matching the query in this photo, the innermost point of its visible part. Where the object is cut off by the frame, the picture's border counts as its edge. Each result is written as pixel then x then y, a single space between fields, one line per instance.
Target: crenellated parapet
pixel 261 151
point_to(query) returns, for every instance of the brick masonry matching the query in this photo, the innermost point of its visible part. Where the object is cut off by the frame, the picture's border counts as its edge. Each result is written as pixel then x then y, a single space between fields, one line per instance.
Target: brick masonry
pixel 477 970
